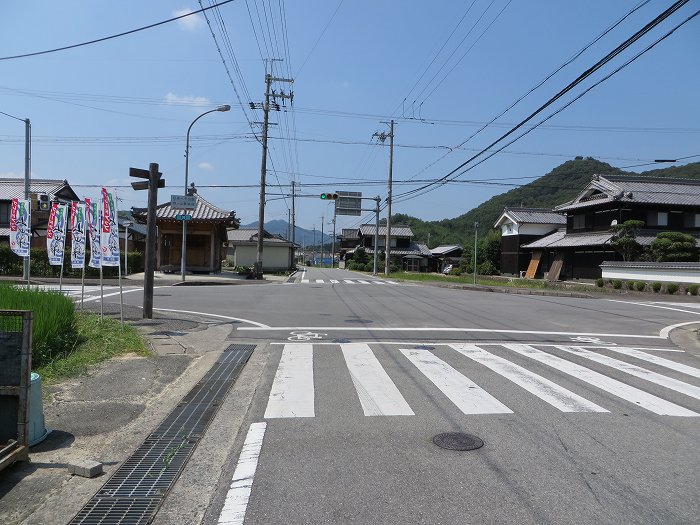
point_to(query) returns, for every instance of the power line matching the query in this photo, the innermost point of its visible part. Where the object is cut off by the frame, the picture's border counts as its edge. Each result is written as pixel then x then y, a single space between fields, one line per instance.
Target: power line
pixel 150 26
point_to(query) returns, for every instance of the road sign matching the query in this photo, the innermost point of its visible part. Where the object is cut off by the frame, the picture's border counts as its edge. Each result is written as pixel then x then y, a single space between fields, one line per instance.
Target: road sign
pixel 141 174
pixel 349 203
pixel 183 217
pixel 183 202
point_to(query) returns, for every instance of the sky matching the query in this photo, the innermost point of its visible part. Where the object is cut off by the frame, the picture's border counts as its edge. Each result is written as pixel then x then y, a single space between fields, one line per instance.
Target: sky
pixel 441 70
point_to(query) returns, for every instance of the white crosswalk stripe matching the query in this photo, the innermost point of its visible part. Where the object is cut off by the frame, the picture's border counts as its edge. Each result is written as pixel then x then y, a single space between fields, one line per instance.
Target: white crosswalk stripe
pixel 292 392
pixel 379 282
pixel 636 371
pixel 377 392
pixel 667 363
pixel 469 397
pixel 610 385
pixel 548 391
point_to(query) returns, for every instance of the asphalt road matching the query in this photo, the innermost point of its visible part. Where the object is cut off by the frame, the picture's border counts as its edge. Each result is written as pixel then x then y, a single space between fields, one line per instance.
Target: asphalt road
pixel 587 411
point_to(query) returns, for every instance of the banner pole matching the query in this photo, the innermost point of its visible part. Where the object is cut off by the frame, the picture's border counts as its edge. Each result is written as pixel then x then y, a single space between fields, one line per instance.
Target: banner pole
pixel 121 297
pixel 102 296
pixel 82 289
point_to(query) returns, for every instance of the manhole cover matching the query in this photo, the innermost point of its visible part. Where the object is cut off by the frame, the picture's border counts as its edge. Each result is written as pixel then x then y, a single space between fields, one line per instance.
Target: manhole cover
pixel 457 441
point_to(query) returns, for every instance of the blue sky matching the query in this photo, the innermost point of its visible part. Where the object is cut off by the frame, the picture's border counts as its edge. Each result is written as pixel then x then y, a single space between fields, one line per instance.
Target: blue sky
pixel 99 109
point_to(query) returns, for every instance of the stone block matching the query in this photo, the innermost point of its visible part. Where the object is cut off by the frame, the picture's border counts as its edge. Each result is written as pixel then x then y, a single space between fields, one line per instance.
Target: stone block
pixel 85 468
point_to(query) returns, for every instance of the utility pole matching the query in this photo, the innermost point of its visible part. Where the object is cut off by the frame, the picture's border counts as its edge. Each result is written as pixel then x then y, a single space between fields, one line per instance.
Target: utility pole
pixel 293 215
pixel 335 209
pixel 376 234
pixel 382 137
pixel 265 106
pixel 27 174
pixel 323 219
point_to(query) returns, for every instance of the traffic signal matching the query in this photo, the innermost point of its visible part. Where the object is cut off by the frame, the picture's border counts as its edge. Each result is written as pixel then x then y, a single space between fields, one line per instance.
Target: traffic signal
pixel 44 203
pixel 329 196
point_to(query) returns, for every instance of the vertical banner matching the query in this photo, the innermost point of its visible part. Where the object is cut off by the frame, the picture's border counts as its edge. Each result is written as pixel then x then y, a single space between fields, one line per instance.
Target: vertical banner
pixel 77 250
pixel 20 227
pixel 109 240
pixel 56 234
pixel 92 216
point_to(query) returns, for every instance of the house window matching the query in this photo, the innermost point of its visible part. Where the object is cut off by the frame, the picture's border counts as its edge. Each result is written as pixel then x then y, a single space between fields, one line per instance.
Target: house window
pixel 5 213
pixel 657 218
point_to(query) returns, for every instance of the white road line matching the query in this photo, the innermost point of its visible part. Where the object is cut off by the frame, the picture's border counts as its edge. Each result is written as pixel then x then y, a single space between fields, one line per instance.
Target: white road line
pixel 665 332
pixel 304 281
pixel 469 397
pixel 229 318
pixel 442 329
pixel 362 282
pixel 654 306
pixel 292 393
pixel 319 281
pixel 87 300
pixel 348 281
pixel 377 392
pixel 378 282
pixel 238 495
pixel 610 385
pixel 636 371
pixel 557 396
pixel 678 367
pixel 335 281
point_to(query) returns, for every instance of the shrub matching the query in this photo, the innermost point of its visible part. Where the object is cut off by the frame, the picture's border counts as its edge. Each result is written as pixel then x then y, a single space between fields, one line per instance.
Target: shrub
pixel 656 286
pixel 486 268
pixel 672 288
pixel 630 285
pixel 456 271
pixel 693 289
pixel 617 284
pixel 640 285
pixel 600 282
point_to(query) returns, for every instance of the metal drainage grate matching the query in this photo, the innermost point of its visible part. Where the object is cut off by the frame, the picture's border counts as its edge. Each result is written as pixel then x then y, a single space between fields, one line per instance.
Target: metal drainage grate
pixel 457 441
pixel 136 490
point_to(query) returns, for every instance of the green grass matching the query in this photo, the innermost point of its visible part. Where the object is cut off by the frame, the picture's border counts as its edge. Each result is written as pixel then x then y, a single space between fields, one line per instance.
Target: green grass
pixel 95 341
pixel 53 320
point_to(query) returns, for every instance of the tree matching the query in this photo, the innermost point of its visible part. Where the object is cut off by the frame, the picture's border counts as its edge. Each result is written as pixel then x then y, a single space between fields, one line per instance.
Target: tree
pixel 674 246
pixel 624 239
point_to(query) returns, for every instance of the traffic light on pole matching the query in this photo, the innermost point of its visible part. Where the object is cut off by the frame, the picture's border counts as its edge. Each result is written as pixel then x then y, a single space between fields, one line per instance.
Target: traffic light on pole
pixel 329 196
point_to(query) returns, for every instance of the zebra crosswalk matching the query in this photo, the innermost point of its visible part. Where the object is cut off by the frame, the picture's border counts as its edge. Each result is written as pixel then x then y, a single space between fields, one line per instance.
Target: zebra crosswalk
pixel 292 394
pixel 378 282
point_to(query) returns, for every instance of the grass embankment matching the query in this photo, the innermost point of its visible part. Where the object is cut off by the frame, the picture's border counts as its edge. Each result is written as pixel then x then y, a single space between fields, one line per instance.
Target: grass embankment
pixel 492 281
pixel 65 343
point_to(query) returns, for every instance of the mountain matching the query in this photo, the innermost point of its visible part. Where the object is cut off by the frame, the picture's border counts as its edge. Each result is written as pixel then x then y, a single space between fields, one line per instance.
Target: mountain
pixel 303 236
pixel 558 186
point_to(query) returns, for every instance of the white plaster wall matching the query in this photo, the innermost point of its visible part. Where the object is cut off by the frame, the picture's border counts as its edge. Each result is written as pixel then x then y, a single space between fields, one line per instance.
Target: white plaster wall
pixel 650 274
pixel 273 257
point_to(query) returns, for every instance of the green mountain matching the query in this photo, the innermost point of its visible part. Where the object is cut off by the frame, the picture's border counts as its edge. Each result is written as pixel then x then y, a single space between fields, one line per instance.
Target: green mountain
pixel 558 186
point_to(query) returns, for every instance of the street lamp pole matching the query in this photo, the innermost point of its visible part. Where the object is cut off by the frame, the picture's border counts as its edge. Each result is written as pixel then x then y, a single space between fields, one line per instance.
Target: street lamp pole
pixel 183 261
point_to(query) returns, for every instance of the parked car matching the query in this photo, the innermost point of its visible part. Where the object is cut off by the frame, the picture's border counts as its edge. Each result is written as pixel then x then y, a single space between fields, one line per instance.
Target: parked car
pixel 447 269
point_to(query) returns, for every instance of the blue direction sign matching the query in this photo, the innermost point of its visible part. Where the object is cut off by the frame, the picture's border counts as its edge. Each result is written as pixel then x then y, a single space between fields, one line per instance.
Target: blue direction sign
pixel 183 217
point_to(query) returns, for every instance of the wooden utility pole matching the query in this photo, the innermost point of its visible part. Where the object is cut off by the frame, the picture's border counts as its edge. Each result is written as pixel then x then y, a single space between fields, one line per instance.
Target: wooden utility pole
pixel 387 244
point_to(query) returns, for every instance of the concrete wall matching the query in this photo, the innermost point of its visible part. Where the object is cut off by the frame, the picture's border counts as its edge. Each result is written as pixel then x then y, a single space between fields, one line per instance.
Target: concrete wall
pixel 274 257
pixel 652 274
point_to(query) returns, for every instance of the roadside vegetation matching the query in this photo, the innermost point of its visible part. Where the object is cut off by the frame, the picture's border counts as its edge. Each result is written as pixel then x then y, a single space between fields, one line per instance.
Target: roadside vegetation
pixel 65 342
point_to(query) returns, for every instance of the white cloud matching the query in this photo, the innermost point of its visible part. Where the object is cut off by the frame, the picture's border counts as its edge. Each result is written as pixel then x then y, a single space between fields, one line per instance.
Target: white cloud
pixel 189 23
pixel 205 166
pixel 9 175
pixel 172 98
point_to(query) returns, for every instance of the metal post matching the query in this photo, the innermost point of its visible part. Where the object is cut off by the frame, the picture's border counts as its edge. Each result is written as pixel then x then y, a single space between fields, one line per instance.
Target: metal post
pixel 27 175
pixel 387 248
pixel 126 247
pixel 335 208
pixel 151 241
pixel 476 225
pixel 323 219
pixel 376 235
pixel 183 261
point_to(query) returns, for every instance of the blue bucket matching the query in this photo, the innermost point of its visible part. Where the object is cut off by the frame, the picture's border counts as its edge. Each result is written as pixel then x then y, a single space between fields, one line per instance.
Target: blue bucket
pixel 37 430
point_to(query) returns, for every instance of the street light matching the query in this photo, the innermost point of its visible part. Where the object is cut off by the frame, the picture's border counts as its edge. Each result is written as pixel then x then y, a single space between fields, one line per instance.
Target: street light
pixel 27 169
pixel 225 107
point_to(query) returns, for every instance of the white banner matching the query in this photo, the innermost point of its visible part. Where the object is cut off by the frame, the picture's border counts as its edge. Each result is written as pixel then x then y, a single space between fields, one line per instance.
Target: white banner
pixel 92 217
pixel 20 227
pixel 77 249
pixel 109 240
pixel 56 234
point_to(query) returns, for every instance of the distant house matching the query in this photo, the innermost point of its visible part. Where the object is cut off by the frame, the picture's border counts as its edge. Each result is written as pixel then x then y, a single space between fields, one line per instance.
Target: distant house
pixel 443 256
pixel 520 226
pixel 206 236
pixel 56 191
pixel 576 252
pixel 278 253
pixel 414 256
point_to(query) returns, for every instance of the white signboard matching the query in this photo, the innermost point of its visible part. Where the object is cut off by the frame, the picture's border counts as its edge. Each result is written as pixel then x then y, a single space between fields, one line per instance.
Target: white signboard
pixel 183 202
